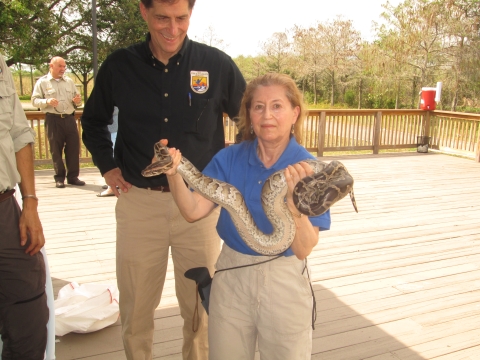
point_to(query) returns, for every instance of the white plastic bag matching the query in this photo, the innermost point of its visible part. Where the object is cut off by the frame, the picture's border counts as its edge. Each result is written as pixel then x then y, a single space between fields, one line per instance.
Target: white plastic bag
pixel 85 308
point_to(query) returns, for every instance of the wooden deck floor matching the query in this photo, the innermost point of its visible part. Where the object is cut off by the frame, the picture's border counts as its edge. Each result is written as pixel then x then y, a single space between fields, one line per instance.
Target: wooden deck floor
pixel 398 280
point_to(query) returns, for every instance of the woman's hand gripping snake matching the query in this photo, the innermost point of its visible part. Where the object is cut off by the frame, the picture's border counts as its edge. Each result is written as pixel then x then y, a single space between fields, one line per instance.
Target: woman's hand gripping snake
pixel 313 195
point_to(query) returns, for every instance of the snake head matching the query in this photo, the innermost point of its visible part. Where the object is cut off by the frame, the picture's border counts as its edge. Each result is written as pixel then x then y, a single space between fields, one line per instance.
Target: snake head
pixel 156 168
pixel 315 194
pixel 163 164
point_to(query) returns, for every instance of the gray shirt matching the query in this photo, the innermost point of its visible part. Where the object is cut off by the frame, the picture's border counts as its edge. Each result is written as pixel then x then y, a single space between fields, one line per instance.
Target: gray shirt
pixel 62 89
pixel 114 127
pixel 15 132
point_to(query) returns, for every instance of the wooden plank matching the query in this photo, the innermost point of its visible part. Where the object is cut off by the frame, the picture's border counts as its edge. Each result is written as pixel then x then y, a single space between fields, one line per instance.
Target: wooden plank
pixel 398 280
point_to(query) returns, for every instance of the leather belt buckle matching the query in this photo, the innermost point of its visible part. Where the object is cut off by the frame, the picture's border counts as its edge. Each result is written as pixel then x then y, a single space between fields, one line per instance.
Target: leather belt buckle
pixel 62 115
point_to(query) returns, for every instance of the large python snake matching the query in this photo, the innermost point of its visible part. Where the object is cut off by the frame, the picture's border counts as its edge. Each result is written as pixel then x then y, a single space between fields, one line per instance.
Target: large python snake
pixel 313 195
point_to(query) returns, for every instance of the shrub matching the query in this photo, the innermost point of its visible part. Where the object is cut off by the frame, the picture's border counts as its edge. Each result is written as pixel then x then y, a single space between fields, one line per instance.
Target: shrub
pixel 349 97
pixel 379 102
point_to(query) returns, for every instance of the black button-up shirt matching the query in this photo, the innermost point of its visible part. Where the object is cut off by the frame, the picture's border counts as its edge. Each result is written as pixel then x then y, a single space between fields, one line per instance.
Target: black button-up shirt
pixel 158 101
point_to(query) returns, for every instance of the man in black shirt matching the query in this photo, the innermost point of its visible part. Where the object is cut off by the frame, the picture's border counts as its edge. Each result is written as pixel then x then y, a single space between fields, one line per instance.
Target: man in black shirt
pixel 167 87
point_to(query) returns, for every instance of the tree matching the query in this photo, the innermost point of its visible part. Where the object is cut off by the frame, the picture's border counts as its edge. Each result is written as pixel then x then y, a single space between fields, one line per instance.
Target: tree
pixel 119 24
pixel 413 35
pixel 278 52
pixel 390 66
pixel 28 29
pixel 363 69
pixel 36 30
pixel 340 44
pixel 308 48
pixel 462 22
pixel 211 38
pixel 251 67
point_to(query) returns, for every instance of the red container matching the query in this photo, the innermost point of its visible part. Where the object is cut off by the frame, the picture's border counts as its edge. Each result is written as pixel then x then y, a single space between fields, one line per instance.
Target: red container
pixel 427 102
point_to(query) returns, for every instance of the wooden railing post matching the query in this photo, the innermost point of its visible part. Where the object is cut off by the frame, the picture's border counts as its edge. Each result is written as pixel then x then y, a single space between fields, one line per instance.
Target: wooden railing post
pixel 321 133
pixel 477 151
pixel 477 147
pixel 377 132
pixel 426 123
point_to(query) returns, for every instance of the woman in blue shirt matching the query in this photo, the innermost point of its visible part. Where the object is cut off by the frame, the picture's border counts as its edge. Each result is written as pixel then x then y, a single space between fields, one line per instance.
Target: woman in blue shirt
pixel 270 302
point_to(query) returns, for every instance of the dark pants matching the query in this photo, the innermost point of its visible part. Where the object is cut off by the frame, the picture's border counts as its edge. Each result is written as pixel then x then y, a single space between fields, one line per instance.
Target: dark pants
pixel 24 329
pixel 23 303
pixel 62 134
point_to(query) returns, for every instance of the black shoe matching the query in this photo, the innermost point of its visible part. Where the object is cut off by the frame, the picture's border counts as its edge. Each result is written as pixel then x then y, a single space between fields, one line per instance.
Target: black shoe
pixel 59 184
pixel 76 181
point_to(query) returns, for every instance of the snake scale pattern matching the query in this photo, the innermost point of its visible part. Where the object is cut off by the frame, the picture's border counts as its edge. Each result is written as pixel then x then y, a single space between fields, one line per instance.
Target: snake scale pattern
pixel 312 196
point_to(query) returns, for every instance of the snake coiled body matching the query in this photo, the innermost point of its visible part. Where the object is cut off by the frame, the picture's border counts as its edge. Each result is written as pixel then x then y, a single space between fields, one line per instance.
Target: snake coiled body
pixel 312 196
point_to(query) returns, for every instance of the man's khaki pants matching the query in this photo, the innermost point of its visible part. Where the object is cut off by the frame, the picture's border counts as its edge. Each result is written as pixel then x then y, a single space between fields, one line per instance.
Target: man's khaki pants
pixel 149 224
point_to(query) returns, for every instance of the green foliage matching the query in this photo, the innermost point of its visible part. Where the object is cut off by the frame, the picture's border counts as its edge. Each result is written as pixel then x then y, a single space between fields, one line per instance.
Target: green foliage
pixel 251 67
pixel 33 31
pixel 28 29
pixel 120 24
pixel 25 97
pixel 308 97
pixel 469 109
pixel 379 101
pixel 349 97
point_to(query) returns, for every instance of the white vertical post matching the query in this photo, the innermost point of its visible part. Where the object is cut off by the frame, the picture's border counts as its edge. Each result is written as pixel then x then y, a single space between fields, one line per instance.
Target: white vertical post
pixel 438 92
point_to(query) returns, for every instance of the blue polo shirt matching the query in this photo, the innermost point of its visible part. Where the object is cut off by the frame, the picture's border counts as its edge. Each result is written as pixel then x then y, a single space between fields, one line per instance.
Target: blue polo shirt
pixel 240 166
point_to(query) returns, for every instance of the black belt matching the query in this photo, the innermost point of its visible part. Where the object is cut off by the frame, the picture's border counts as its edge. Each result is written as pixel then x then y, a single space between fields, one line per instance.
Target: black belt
pixel 158 188
pixel 61 115
pixel 6 194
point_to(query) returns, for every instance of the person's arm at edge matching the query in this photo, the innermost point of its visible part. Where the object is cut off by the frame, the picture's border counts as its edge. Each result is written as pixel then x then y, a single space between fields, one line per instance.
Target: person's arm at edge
pixel 306 235
pixel 29 220
pixel 23 137
pixel 77 97
pixel 192 205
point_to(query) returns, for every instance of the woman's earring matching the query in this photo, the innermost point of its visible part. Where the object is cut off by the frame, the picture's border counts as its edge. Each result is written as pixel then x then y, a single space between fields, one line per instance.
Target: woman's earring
pixel 293 128
pixel 251 129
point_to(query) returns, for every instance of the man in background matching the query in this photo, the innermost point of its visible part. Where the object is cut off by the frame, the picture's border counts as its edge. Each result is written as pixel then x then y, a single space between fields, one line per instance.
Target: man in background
pixel 23 303
pixel 167 87
pixel 56 95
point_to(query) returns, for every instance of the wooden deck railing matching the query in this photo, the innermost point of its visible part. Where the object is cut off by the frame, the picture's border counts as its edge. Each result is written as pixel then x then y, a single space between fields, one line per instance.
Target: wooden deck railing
pixel 348 130
pixel 456 132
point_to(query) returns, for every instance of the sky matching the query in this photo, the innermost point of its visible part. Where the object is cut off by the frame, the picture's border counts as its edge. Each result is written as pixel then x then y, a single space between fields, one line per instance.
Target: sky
pixel 244 24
